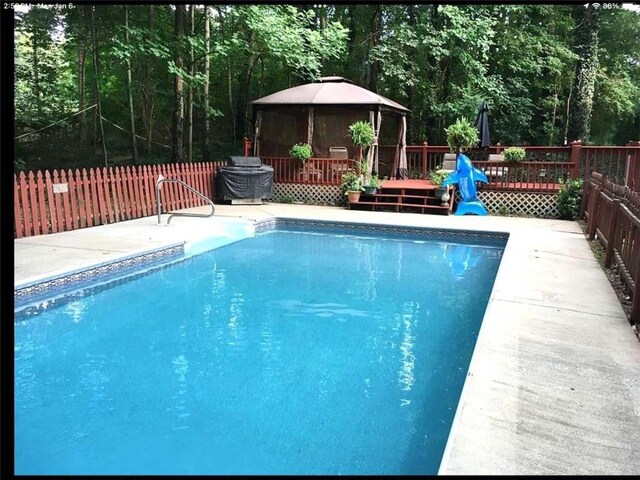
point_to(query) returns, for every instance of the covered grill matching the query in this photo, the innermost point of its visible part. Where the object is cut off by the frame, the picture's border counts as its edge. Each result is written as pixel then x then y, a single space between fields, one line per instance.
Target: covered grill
pixel 244 180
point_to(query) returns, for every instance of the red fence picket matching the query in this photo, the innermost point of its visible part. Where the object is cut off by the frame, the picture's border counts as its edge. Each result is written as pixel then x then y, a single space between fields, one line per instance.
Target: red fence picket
pixel 49 202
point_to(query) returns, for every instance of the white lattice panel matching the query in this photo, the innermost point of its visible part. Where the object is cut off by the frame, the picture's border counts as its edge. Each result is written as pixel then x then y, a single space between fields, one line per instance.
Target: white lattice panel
pixel 313 194
pixel 540 205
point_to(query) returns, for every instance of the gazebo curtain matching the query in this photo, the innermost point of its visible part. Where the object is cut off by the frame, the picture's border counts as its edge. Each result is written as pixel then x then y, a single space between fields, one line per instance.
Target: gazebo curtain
pixel 400 160
pixel 375 118
pixel 310 127
pixel 256 138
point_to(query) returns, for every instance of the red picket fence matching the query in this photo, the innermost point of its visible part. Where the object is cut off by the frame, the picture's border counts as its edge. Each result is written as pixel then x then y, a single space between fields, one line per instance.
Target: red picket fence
pixel 612 213
pixel 53 202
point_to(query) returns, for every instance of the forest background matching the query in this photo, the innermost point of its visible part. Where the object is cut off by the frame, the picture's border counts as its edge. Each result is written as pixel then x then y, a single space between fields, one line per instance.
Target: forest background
pixel 101 84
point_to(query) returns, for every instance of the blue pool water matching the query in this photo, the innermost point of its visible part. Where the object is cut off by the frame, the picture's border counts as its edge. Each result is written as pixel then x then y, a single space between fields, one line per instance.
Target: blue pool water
pixel 289 353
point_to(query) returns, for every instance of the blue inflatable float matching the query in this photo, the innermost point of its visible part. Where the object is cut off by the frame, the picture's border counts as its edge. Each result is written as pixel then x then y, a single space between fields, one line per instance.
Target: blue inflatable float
pixel 466 176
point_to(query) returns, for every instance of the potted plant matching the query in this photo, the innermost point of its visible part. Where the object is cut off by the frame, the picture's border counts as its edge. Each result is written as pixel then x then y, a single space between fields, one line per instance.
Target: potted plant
pixel 301 152
pixel 362 135
pixel 461 136
pixel 371 185
pixel 436 177
pixel 513 154
pixel 351 186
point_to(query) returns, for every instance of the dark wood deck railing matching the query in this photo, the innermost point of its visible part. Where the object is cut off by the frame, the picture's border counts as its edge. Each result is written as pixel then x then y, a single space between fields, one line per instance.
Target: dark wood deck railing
pixel 315 171
pixel 612 214
pixel 541 171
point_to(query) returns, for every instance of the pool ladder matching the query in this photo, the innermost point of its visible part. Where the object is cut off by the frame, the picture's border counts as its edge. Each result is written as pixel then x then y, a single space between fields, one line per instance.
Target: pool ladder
pixel 159 183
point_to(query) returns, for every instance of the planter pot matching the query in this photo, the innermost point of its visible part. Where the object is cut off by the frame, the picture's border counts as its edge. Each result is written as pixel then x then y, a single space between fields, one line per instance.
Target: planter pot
pixel 353 196
pixel 369 190
pixel 439 191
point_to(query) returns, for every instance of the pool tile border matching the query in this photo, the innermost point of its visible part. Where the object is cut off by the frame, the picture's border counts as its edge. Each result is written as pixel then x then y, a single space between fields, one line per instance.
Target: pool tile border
pixel 24 294
pixel 69 280
pixel 425 232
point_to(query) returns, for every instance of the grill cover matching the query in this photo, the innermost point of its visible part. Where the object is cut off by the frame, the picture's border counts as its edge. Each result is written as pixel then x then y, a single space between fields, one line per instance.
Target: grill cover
pixel 244 178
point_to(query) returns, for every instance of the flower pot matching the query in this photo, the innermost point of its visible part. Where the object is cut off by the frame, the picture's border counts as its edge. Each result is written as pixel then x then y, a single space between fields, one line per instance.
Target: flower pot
pixel 440 191
pixel 353 196
pixel 370 190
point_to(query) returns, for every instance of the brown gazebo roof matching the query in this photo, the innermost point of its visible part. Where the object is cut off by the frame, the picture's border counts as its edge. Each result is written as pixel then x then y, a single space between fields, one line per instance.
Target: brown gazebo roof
pixel 329 91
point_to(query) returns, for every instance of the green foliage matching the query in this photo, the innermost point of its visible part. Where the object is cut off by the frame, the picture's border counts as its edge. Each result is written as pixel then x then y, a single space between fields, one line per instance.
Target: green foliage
pixel 361 134
pixel 462 135
pixel 504 211
pixel 569 198
pixel 513 154
pixel 437 176
pixel 351 182
pixel 439 60
pixel 19 165
pixel 286 34
pixel 301 152
pixel 372 181
pixel 287 199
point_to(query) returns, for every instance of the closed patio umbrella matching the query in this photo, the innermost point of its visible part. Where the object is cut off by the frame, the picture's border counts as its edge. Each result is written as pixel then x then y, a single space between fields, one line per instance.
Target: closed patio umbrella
pixel 482 124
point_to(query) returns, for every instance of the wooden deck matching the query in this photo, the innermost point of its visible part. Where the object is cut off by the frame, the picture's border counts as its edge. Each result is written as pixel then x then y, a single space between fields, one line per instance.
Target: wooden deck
pixel 406 195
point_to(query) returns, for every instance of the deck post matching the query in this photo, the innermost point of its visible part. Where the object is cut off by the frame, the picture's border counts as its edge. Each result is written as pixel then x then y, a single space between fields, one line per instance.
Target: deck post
pixel 635 305
pixel 594 199
pixel 246 146
pixel 586 194
pixel 575 154
pixel 424 159
pixel 611 234
pixel 632 177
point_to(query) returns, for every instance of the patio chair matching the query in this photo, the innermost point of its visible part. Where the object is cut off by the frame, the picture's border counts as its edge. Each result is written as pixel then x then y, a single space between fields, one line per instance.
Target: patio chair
pixel 340 161
pixel 310 171
pixel 448 162
pixel 496 172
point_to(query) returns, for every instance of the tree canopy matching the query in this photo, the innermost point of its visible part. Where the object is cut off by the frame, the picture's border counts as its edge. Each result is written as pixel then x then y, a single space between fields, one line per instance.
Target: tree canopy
pixel 149 83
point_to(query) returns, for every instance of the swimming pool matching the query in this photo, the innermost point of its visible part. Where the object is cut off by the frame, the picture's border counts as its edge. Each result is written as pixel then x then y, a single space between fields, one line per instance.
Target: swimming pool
pixel 299 351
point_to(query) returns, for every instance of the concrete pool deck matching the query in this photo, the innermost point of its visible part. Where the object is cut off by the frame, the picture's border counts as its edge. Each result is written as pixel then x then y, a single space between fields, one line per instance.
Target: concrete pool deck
pixel 554 383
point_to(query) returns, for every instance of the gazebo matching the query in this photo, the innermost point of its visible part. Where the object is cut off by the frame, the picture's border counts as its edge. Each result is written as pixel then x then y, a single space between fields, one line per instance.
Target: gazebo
pixel 320 114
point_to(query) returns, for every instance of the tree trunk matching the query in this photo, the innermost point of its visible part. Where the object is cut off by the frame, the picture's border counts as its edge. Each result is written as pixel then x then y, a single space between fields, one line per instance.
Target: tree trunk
pixel 97 83
pixel 37 90
pixel 82 60
pixel 178 84
pixel 247 92
pixel 586 47
pixel 148 96
pixel 134 148
pixel 232 110
pixel 207 44
pixel 192 70
pixel 410 89
pixel 376 27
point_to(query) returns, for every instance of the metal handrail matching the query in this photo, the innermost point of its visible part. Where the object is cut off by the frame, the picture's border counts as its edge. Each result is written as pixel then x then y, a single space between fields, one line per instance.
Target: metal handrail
pixel 161 180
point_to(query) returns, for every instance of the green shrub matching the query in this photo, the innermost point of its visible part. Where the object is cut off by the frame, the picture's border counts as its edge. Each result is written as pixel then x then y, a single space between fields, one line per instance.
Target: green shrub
pixel 569 198
pixel 287 199
pixel 301 152
pixel 514 154
pixel 351 182
pixel 437 176
pixel 461 135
